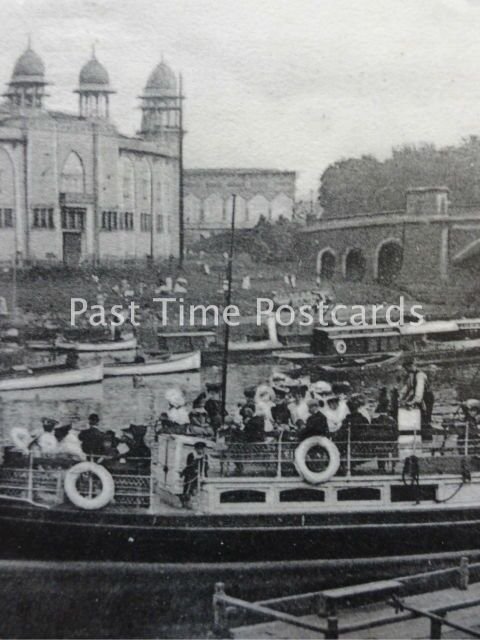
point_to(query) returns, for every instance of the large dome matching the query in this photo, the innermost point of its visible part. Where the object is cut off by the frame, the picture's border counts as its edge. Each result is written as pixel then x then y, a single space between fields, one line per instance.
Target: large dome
pixel 161 81
pixel 29 66
pixel 93 72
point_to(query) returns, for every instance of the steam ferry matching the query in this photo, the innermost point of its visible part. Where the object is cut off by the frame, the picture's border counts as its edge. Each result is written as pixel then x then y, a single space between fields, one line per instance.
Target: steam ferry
pixel 382 493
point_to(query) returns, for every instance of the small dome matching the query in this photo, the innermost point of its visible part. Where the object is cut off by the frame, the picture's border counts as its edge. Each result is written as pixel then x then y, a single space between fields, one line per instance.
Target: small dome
pixel 29 65
pixel 93 72
pixel 162 81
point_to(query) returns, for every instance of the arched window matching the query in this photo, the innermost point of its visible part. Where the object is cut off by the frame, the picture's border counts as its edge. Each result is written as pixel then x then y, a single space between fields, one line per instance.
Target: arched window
pixel 213 208
pixel 145 185
pixel 127 184
pixel 326 263
pixel 355 265
pixel 72 179
pixel 282 207
pixel 389 261
pixel 257 207
pixel 192 209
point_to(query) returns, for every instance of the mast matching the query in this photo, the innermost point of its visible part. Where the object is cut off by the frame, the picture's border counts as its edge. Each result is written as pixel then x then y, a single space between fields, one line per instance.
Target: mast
pixel 228 300
pixel 181 221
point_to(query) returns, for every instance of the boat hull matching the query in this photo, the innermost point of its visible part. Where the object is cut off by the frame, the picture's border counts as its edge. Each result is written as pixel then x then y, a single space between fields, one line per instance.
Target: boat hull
pixel 97 347
pixel 61 378
pixel 32 532
pixel 174 364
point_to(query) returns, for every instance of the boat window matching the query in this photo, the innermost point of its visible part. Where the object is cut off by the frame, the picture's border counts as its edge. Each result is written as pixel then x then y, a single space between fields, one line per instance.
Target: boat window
pixel 302 495
pixel 242 495
pixel 407 493
pixel 358 493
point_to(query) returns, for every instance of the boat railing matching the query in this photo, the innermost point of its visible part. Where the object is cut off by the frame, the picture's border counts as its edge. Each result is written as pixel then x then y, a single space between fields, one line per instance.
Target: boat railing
pixel 358 457
pixel 40 480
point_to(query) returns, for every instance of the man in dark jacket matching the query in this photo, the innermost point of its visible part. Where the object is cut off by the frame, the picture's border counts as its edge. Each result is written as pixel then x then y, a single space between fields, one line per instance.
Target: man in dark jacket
pixel 316 425
pixel 91 438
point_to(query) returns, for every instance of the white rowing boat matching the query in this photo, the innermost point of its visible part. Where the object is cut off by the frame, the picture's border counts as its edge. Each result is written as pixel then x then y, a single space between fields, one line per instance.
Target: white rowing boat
pixel 174 363
pixel 125 344
pixel 51 376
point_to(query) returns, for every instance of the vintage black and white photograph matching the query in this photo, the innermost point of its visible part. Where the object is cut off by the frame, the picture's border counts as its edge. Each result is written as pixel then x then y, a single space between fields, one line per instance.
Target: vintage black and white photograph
pixel 240 319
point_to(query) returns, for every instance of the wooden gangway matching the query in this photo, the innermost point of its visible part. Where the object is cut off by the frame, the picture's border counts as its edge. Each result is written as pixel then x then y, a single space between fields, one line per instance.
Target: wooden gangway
pixel 426 605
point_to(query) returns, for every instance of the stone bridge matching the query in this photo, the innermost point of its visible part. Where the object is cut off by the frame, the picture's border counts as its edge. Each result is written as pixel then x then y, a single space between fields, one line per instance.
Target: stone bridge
pixel 430 240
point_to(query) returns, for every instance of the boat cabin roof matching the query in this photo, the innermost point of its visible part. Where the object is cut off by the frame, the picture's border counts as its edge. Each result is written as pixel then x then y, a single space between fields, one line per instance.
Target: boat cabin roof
pixel 432 326
pixel 361 331
pixel 185 334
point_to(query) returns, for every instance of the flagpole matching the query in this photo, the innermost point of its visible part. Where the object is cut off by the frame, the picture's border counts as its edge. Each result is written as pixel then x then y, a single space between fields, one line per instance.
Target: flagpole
pixel 228 300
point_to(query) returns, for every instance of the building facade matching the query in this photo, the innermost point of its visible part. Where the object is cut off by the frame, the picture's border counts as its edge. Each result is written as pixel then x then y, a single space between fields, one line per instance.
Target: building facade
pixel 259 192
pixel 72 187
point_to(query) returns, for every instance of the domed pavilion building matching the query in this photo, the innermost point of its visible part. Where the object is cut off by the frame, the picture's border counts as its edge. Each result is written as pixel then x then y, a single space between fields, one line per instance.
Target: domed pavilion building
pixel 75 189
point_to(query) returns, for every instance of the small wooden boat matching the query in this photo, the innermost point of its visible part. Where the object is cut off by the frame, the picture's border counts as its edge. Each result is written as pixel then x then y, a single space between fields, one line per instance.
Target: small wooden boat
pixel 174 363
pixel 59 375
pixel 378 361
pixel 127 343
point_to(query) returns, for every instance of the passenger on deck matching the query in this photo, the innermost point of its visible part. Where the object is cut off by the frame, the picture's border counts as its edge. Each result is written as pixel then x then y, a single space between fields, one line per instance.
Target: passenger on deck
pixel 249 393
pixel 298 407
pixel 199 423
pixel 195 468
pixel 417 393
pixel 254 427
pixel 383 404
pixel 280 411
pixel 316 424
pixel 68 443
pixel 138 456
pixel 139 356
pixel 46 441
pixel 91 438
pixel 213 405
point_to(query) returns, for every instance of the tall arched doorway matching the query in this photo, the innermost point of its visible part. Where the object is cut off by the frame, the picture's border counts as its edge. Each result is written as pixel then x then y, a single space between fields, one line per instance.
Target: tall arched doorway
pixel 355 265
pixel 389 261
pixel 326 264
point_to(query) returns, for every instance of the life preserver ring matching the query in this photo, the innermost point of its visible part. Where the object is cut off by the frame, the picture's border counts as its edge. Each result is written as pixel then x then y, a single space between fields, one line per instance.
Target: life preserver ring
pixel 301 452
pixel 340 346
pixel 97 502
pixel 21 438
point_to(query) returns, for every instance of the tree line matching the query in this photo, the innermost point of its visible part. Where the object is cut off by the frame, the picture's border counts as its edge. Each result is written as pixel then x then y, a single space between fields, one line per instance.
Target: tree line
pixel 362 185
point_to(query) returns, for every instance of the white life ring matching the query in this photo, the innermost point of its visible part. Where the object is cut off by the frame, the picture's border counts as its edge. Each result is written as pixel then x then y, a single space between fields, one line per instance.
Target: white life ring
pixel 21 438
pixel 301 453
pixel 102 499
pixel 340 346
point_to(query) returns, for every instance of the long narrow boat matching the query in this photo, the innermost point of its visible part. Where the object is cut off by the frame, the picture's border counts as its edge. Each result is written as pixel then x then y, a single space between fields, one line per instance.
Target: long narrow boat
pixel 50 376
pixel 174 363
pixel 258 501
pixel 125 344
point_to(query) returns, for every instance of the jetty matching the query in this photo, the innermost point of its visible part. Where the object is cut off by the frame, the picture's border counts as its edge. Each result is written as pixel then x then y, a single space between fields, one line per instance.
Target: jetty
pixel 423 605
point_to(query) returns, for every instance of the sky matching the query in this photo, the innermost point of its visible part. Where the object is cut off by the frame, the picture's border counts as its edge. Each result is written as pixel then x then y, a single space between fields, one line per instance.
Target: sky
pixel 285 84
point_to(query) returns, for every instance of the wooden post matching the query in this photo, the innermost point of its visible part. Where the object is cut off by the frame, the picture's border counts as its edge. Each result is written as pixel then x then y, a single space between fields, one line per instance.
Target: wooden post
pixel 463 574
pixel 332 628
pixel 436 627
pixel 220 621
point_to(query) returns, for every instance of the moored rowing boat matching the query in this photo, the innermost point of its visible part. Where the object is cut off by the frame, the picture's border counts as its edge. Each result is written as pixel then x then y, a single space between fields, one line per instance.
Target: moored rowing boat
pixel 51 376
pixel 174 363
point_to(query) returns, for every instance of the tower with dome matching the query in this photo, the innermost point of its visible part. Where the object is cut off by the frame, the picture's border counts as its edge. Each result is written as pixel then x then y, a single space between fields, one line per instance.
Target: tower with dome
pixel 75 189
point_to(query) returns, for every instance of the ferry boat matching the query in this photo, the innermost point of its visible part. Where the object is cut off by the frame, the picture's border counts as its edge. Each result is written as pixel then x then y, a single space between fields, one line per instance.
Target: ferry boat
pixel 257 501
pixel 432 342
pixel 240 351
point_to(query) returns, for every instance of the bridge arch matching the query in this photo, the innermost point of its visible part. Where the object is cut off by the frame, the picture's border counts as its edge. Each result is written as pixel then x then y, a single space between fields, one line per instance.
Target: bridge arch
pixel 326 263
pixel 354 264
pixel 388 260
